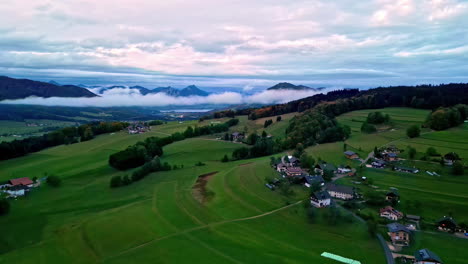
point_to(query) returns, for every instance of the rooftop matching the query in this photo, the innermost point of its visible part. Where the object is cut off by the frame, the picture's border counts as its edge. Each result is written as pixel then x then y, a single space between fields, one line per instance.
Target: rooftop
pixel 21 181
pixel 426 255
pixel 396 227
pixel 340 188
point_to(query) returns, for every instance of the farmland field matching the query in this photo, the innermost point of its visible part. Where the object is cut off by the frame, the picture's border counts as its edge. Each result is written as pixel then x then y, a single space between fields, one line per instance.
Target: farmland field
pixel 11 130
pixel 160 219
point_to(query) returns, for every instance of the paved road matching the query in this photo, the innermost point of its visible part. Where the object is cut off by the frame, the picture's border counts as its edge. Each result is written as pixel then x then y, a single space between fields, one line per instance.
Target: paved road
pixel 388 253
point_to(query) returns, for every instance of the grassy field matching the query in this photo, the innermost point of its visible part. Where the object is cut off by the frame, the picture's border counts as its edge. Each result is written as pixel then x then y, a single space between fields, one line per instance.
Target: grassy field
pixel 158 220
pixel 11 130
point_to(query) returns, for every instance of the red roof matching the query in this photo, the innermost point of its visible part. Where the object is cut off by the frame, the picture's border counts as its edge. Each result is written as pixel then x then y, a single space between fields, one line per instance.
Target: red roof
pixel 21 181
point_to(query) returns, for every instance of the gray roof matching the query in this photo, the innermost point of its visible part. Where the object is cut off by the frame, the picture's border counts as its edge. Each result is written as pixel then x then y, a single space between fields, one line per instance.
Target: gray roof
pixel 340 188
pixel 396 227
pixel 392 155
pixel 426 255
pixel 312 179
pixel 321 195
pixel 349 153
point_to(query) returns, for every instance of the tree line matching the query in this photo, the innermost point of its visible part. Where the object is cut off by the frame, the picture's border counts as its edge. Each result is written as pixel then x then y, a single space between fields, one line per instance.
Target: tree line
pixel 421 96
pixel 68 135
pixel 144 151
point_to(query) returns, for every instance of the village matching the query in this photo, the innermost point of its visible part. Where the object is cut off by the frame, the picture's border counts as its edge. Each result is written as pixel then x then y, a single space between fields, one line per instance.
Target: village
pixel 399 226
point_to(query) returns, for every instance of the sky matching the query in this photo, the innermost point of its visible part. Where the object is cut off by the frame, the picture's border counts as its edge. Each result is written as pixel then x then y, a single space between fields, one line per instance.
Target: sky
pixel 244 45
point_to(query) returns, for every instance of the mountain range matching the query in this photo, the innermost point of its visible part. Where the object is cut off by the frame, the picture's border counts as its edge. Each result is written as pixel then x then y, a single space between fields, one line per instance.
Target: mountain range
pixel 11 88
pixel 190 90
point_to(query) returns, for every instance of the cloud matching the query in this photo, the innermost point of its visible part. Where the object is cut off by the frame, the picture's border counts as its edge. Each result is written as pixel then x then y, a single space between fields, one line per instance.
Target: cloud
pixel 132 97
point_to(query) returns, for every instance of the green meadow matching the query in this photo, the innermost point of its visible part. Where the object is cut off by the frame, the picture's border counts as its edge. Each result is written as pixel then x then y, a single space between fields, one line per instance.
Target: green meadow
pixel 161 219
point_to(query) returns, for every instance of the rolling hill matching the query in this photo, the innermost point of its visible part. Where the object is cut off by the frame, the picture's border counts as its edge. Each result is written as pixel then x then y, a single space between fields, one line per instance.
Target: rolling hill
pixel 11 88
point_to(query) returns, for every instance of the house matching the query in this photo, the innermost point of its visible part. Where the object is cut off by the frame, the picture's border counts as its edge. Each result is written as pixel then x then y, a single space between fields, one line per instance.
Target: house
pixel 344 170
pixel 399 234
pixel 450 158
pixel 310 180
pixel 340 191
pixel 390 156
pixel 351 155
pixel 18 190
pixel 25 181
pixel 407 169
pixel 236 136
pixel 320 199
pixel 391 213
pixel 378 164
pixel 447 224
pixel 392 195
pixel 321 167
pixel 4 184
pixel 291 161
pixel 425 256
pixel 293 172
pixel 413 218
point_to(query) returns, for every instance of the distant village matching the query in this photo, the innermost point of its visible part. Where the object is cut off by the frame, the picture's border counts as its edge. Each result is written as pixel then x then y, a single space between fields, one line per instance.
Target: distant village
pixel 325 193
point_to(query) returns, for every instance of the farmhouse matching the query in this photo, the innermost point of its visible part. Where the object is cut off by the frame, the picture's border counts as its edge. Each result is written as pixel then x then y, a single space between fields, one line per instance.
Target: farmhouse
pixel 344 170
pixel 447 224
pixel 391 213
pixel 320 199
pixel 407 169
pixel 351 155
pixel 18 190
pixel 390 156
pixel 137 128
pixel 399 234
pixel 25 181
pixel 425 256
pixel 310 180
pixel 293 172
pixel 340 191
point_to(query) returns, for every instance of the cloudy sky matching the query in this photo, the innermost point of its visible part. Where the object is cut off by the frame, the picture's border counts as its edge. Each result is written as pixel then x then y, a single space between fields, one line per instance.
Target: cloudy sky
pixel 244 44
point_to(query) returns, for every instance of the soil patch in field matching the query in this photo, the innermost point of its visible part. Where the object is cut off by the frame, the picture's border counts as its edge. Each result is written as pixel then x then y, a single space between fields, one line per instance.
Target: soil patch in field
pixel 245 164
pixel 200 192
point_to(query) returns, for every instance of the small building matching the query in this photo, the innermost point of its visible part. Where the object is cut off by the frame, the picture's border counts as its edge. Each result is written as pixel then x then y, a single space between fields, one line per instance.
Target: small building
pixel 391 213
pixel 378 164
pixel 310 180
pixel 291 161
pixel 392 195
pixel 321 167
pixel 340 191
pixel 351 155
pixel 425 256
pixel 399 234
pixel 407 169
pixel 390 156
pixel 18 190
pixel 344 170
pixel 237 136
pixel 320 199
pixel 25 181
pixel 447 224
pixel 413 218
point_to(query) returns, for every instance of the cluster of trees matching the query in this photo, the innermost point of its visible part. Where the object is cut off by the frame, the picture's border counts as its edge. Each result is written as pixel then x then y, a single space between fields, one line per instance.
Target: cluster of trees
pixel 144 151
pixel 314 127
pixel 413 131
pixel 261 146
pixel 377 118
pixel 68 135
pixel 368 128
pixel 52 180
pixel 447 117
pixel 155 123
pixel 421 96
pixel 267 123
pixel 149 167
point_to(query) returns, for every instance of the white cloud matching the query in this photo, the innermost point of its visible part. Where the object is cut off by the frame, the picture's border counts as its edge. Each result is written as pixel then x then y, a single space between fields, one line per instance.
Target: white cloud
pixel 129 97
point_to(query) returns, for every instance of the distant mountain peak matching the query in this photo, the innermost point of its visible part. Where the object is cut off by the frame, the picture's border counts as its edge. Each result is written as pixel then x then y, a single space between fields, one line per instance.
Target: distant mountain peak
pixel 11 88
pixel 290 86
pixel 54 82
